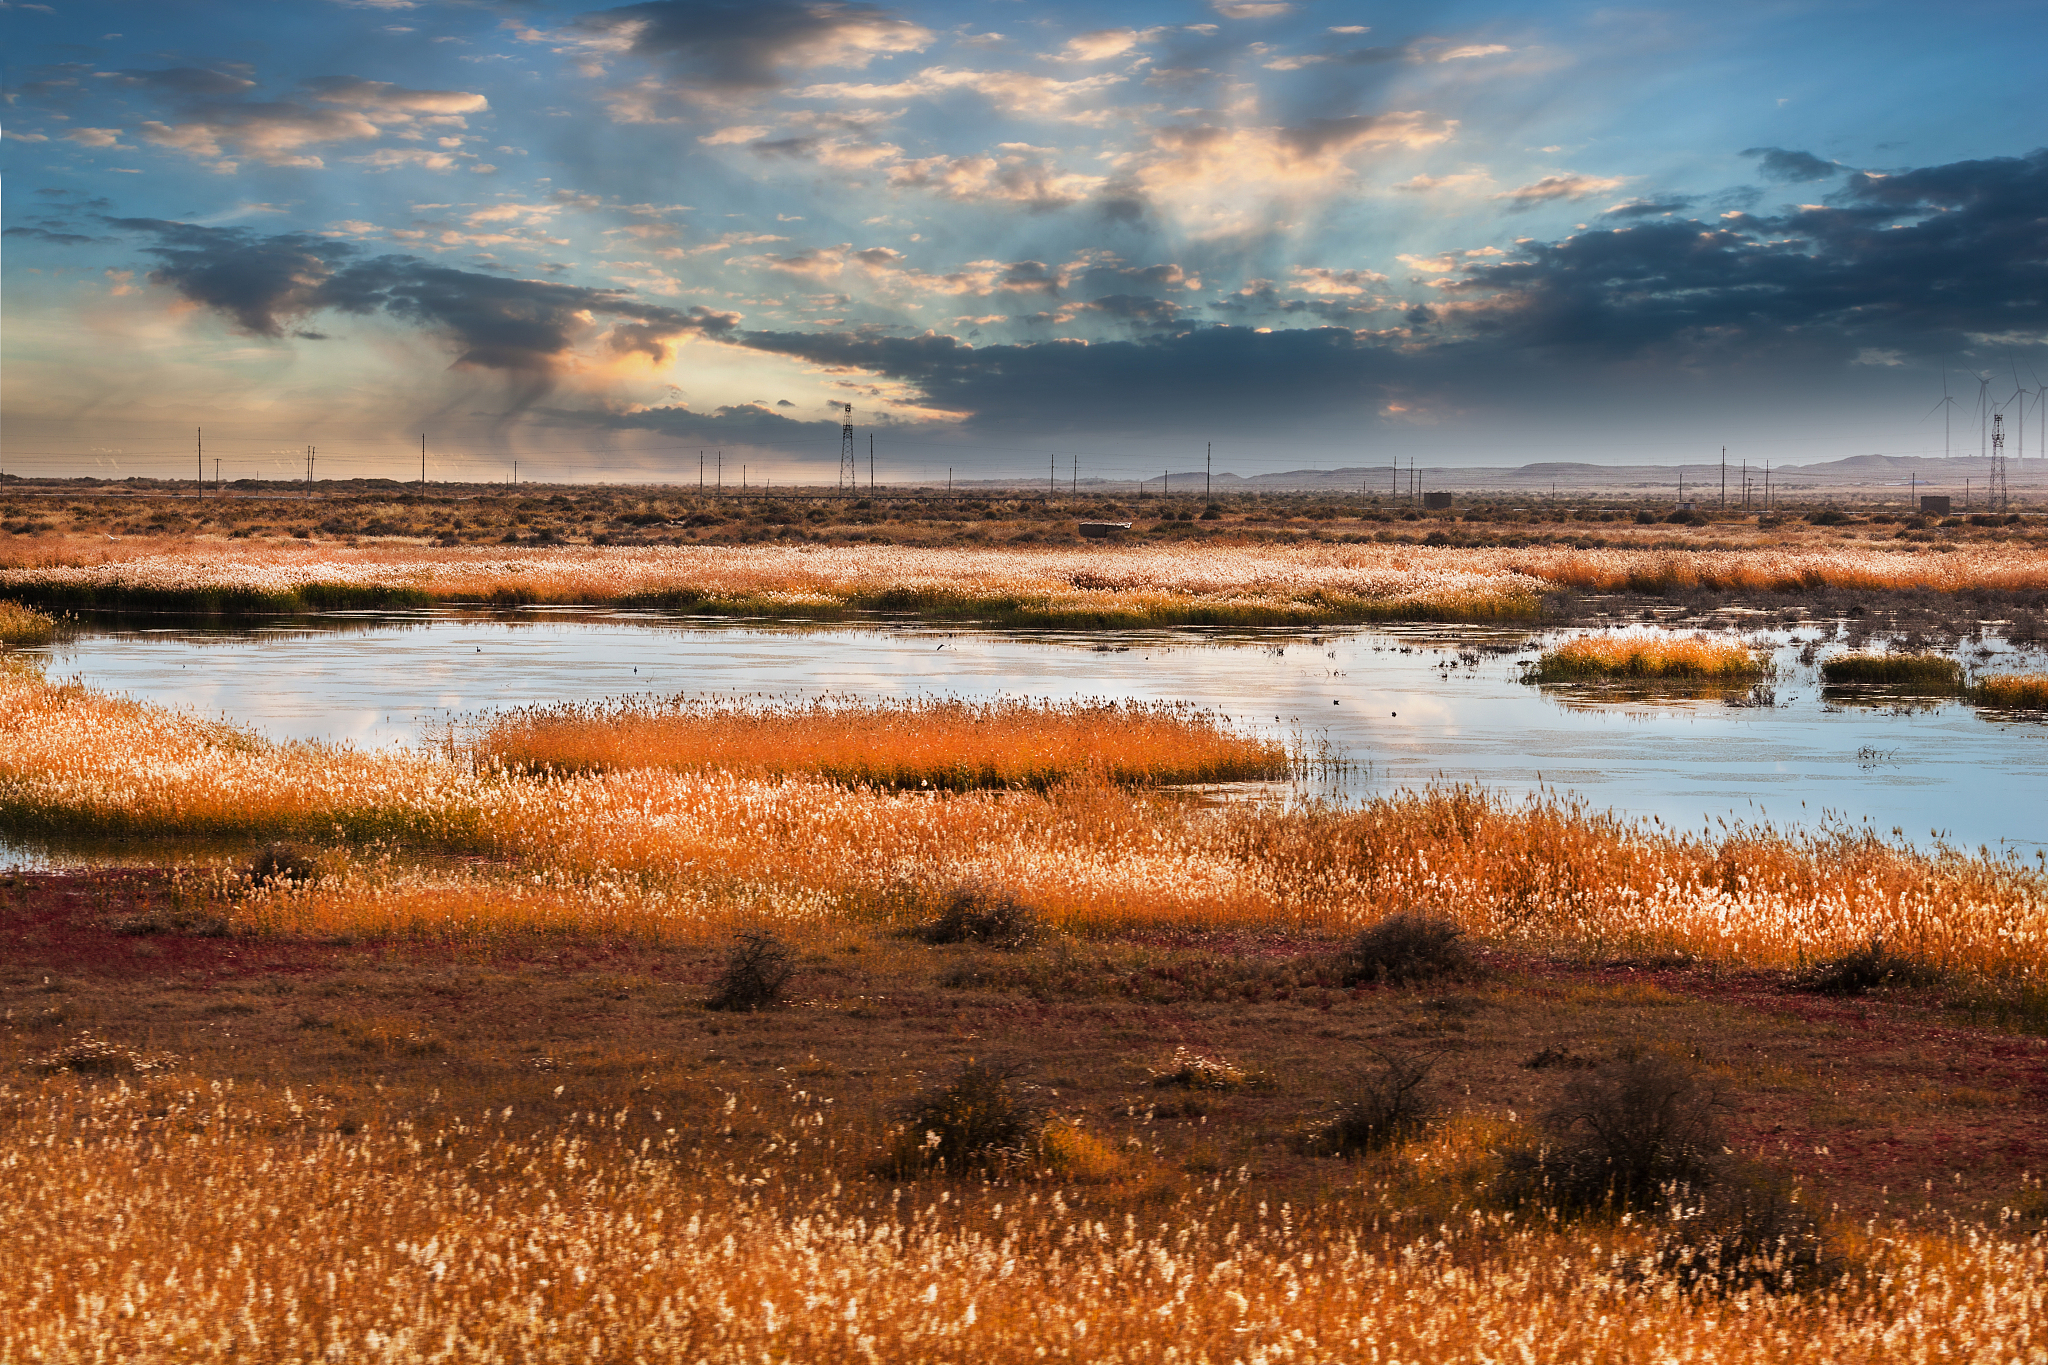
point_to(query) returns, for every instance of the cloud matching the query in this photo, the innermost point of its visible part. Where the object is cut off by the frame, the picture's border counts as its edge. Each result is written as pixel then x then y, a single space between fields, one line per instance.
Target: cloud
pixel 1315 279
pixel 1251 9
pixel 748 44
pixel 1470 50
pixel 1100 44
pixel 266 285
pixel 94 137
pixel 1554 187
pixel 1013 92
pixel 212 122
pixel 1022 178
pixel 1791 168
pixel 1421 184
pixel 1650 208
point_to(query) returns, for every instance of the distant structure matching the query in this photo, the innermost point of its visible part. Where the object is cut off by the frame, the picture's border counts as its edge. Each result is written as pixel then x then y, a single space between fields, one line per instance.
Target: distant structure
pixel 849 472
pixel 1998 497
pixel 1102 530
pixel 1436 502
pixel 1934 505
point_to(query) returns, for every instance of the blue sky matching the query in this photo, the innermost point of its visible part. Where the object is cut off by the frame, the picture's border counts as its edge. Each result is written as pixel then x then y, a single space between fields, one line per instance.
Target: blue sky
pixel 601 238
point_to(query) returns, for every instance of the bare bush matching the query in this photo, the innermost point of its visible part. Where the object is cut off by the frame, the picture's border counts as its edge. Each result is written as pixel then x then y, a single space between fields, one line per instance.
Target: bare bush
pixel 757 968
pixel 283 864
pixel 1622 1136
pixel 1864 969
pixel 1383 1106
pixel 1407 947
pixel 981 1120
pixel 1751 1231
pixel 975 913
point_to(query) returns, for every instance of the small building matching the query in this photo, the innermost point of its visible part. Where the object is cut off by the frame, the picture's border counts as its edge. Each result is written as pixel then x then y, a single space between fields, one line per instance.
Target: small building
pixel 1436 502
pixel 1934 504
pixel 1102 530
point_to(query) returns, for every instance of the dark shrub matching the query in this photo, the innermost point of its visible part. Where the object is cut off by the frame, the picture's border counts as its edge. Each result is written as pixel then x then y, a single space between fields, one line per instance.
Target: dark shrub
pixel 283 862
pixel 756 970
pixel 1621 1136
pixel 1383 1106
pixel 974 913
pixel 982 1120
pixel 1750 1231
pixel 1407 947
pixel 1866 969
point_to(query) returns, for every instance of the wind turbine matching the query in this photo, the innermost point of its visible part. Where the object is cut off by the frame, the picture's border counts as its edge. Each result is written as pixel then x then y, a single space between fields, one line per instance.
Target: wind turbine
pixel 1944 405
pixel 2021 394
pixel 1983 416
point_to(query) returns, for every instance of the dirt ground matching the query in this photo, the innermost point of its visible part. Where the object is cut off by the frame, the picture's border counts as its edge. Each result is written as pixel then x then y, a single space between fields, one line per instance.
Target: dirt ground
pixel 1895 1103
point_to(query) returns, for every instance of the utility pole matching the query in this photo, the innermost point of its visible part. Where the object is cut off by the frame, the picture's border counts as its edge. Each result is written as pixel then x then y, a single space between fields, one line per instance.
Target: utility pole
pixel 1209 472
pixel 1052 474
pixel 216 476
pixel 1165 482
pixel 1745 485
pixel 1076 489
pixel 871 462
pixel 199 444
pixel 949 481
pixel 719 486
pixel 1724 476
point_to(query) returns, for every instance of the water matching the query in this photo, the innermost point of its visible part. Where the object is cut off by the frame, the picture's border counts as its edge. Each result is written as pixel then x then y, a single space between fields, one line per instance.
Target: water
pixel 1406 707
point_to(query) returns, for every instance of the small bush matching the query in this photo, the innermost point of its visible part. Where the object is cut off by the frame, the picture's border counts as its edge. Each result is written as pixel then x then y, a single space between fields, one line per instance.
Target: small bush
pixel 1926 672
pixel 1867 968
pixel 982 1120
pixel 1407 947
pixel 974 913
pixel 757 968
pixel 1750 1232
pixel 283 863
pixel 1386 1105
pixel 20 625
pixel 1621 1137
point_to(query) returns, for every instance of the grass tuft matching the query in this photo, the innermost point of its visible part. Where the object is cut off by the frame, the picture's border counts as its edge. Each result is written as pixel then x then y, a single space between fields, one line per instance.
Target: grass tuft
pixel 982 1120
pixel 1622 1137
pixel 2019 691
pixel 20 625
pixel 1921 672
pixel 977 913
pixel 1386 1105
pixel 1870 967
pixel 1632 658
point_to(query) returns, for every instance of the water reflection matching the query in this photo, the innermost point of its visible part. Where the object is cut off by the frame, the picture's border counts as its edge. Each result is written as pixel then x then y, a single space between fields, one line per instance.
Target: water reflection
pixel 1407 706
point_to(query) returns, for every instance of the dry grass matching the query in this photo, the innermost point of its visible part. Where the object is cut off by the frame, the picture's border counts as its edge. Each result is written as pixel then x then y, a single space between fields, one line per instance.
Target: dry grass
pixel 670 854
pixel 182 1218
pixel 1167 584
pixel 21 625
pixel 932 742
pixel 1648 658
pixel 2022 691
pixel 1922 672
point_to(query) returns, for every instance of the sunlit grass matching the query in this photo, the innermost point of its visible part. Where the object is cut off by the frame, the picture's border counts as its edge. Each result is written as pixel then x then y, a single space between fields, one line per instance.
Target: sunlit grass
pixel 21 625
pixel 178 1218
pixel 1646 658
pixel 1922 672
pixel 2021 691
pixel 932 742
pixel 681 855
pixel 1219 583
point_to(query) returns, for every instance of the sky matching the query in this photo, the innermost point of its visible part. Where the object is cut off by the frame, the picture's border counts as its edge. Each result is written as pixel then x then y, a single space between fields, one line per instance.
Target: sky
pixel 1092 240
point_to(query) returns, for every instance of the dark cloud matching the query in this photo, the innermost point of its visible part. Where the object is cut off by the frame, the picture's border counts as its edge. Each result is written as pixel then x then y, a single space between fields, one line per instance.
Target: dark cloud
pixel 47 235
pixel 266 284
pixel 1791 168
pixel 746 44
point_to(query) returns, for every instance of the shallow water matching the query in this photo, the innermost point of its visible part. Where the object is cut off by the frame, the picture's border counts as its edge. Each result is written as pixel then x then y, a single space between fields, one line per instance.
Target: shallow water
pixel 1404 707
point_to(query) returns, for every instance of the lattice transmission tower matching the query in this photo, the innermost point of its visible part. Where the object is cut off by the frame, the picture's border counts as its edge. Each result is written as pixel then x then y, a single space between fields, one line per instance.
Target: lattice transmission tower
pixel 1998 494
pixel 849 474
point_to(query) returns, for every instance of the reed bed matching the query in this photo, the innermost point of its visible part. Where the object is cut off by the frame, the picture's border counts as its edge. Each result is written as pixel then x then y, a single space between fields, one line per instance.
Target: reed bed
pixel 21 625
pixel 172 1218
pixel 2020 691
pixel 1207 584
pixel 687 855
pixel 1921 672
pixel 1646 658
pixel 923 743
